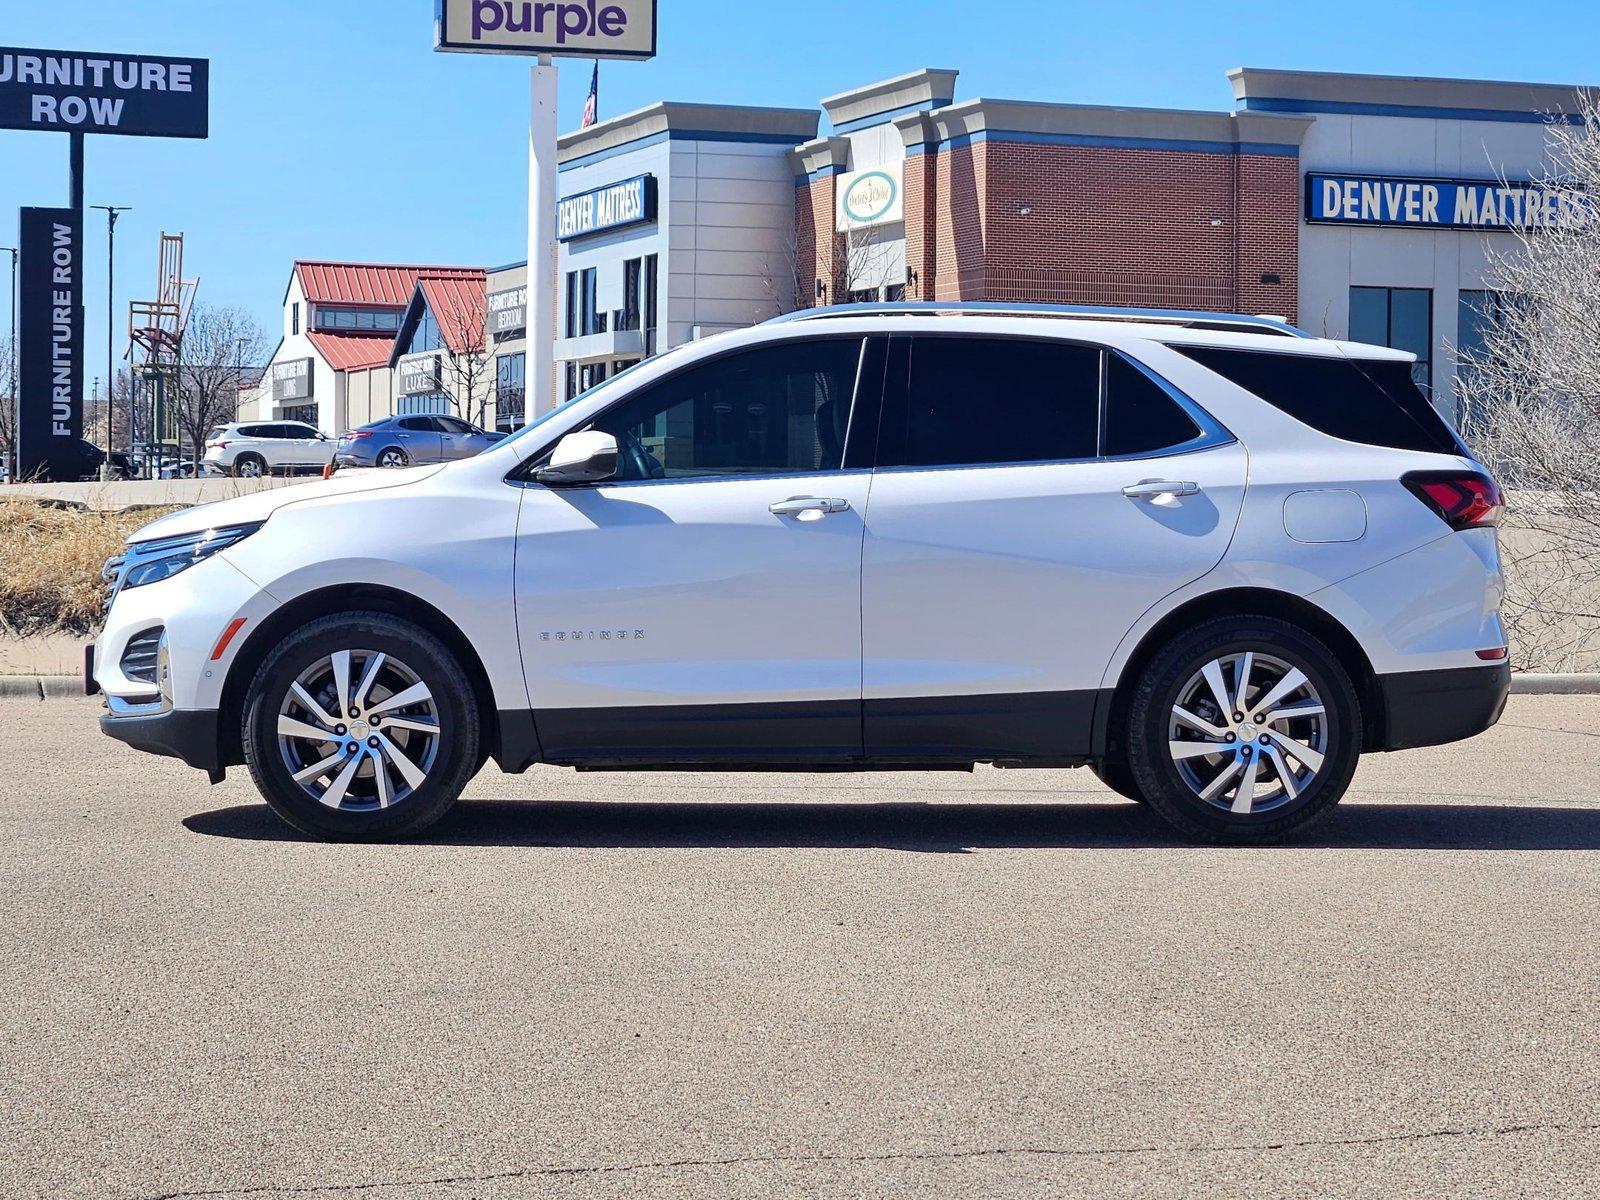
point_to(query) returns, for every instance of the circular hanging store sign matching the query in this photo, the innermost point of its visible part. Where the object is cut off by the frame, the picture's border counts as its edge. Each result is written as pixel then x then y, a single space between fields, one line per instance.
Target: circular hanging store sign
pixel 871 198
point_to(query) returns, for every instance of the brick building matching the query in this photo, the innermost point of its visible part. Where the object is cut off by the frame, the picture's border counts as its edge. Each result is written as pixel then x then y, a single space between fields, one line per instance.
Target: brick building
pixel 1052 203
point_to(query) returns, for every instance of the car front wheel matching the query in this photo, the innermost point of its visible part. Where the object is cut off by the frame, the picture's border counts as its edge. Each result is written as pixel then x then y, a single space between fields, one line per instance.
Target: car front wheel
pixel 361 726
pixel 1243 729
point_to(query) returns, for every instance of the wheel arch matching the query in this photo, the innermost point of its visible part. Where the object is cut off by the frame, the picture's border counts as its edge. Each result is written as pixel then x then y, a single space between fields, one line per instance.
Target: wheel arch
pixel 1111 715
pixel 330 601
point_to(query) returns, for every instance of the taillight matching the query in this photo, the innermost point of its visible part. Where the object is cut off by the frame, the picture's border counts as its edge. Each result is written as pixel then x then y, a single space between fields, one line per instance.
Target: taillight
pixel 355 435
pixel 219 445
pixel 1463 499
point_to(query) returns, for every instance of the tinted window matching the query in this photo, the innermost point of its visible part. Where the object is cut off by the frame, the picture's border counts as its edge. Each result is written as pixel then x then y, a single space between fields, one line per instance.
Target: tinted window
pixel 454 425
pixel 254 431
pixel 1368 401
pixel 1141 418
pixel 298 431
pixel 417 424
pixel 973 400
pixel 774 410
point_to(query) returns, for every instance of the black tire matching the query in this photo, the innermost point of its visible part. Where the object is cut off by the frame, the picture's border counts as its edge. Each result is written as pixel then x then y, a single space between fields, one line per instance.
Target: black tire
pixel 392 458
pixel 1119 778
pixel 1158 776
pixel 250 466
pixel 455 759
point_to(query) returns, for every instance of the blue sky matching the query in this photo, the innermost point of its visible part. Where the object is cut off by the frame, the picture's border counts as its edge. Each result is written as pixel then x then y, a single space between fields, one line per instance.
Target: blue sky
pixel 338 132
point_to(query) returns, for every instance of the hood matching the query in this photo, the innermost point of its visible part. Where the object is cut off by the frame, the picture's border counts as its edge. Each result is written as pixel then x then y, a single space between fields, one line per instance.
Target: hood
pixel 258 506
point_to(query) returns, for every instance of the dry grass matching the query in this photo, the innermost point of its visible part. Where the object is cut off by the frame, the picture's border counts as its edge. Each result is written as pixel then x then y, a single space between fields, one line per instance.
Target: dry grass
pixel 50 560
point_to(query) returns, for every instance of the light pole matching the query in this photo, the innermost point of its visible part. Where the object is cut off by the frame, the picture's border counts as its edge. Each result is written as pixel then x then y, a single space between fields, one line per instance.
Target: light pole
pixel 112 212
pixel 12 401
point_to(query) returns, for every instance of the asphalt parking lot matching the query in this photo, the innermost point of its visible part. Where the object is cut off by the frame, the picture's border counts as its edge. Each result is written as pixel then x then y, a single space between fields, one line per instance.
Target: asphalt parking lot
pixel 1009 984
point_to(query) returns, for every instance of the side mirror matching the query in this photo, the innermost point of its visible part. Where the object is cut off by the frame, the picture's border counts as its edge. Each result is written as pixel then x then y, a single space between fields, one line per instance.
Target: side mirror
pixel 579 458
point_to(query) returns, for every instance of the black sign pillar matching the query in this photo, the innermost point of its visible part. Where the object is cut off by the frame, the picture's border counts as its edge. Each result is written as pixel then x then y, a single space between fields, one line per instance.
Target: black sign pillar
pixel 50 383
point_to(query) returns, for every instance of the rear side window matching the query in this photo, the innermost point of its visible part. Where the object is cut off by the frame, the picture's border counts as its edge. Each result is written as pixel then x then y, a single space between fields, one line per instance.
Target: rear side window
pixel 417 425
pixel 1360 400
pixel 977 400
pixel 1141 417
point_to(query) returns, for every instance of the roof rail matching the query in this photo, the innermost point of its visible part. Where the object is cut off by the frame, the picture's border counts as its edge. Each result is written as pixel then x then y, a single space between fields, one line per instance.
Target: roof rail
pixel 1235 322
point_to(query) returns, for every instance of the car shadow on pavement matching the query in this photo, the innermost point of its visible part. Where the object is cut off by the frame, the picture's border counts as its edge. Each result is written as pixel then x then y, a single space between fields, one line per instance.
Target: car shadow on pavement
pixel 936 828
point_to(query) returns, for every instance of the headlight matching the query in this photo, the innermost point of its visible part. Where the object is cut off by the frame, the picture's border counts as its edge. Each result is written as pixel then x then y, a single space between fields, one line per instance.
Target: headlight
pixel 150 562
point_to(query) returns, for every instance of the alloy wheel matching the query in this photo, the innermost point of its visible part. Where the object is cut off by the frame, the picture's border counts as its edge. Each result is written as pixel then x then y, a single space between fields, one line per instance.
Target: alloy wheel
pixel 1248 733
pixel 358 730
pixel 391 458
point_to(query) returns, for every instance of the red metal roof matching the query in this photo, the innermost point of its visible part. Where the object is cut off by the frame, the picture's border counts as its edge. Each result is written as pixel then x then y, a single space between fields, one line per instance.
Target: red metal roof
pixel 459 304
pixel 387 285
pixel 353 351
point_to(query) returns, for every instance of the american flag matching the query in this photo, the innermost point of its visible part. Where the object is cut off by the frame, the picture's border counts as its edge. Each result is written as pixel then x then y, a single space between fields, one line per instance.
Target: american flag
pixel 591 108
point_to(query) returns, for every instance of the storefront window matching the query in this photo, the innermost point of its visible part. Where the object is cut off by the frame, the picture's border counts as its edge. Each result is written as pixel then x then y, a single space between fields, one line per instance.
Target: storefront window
pixel 651 276
pixel 1477 313
pixel 510 378
pixel 434 402
pixel 1401 318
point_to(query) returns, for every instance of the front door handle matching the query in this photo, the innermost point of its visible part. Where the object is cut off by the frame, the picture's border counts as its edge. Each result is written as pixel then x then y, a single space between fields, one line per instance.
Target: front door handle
pixel 796 505
pixel 1151 489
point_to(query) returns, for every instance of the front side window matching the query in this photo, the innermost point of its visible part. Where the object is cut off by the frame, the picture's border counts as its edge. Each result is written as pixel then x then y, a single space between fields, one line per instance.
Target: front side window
pixel 775 410
pixel 982 400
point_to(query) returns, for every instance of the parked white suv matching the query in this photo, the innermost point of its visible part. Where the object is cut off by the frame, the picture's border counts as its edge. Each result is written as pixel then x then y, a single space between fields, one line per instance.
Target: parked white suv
pixel 1211 557
pixel 254 448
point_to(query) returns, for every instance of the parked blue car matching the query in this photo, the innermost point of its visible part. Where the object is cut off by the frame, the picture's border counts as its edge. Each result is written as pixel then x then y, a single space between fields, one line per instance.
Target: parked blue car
pixel 405 441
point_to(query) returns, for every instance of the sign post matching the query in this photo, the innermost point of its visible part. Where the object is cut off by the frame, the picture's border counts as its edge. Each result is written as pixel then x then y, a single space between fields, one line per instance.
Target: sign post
pixel 50 349
pixel 543 193
pixel 571 29
pixel 74 92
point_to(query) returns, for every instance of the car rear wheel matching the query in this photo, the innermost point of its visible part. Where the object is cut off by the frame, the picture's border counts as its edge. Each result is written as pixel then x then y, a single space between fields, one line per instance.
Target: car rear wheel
pixel 250 466
pixel 1243 729
pixel 361 726
pixel 392 457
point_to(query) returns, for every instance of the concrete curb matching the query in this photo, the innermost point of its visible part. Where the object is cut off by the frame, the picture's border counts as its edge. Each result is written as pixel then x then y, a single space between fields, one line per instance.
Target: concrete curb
pixel 67 687
pixel 1576 684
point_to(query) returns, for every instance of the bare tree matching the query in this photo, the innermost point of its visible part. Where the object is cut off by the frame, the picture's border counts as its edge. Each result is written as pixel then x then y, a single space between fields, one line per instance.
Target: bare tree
pixel 8 404
pixel 1531 408
pixel 94 414
pixel 467 373
pixel 219 345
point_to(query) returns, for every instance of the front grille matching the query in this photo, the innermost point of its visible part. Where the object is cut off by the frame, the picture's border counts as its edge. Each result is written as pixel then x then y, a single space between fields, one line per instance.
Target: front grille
pixel 139 659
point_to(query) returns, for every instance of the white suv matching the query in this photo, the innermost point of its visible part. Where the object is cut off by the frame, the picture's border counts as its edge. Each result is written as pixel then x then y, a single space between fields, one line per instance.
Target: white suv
pixel 254 448
pixel 1210 557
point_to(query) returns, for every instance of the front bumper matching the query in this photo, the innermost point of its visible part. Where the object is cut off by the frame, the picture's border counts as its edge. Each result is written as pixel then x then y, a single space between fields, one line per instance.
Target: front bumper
pixel 190 736
pixel 1430 708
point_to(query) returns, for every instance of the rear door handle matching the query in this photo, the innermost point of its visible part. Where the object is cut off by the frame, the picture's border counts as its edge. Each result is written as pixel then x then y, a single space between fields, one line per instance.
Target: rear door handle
pixel 796 505
pixel 1150 489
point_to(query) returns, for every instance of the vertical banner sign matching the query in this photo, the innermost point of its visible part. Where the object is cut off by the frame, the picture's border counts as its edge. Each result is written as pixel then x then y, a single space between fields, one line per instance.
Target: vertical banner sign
pixel 50 383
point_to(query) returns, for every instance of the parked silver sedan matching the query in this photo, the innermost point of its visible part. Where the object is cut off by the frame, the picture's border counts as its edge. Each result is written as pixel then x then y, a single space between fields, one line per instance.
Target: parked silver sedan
pixel 402 441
